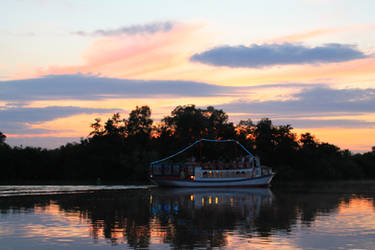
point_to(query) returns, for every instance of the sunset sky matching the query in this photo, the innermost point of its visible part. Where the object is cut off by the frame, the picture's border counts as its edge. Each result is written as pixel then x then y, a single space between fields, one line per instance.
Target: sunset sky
pixel 308 63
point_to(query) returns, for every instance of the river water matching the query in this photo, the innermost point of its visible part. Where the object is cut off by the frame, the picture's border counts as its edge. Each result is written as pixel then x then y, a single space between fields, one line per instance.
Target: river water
pixel 319 216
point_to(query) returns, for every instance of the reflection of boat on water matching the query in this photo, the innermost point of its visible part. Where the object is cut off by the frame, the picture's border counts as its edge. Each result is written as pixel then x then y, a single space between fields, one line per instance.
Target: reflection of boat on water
pixel 242 171
pixel 205 218
pixel 239 203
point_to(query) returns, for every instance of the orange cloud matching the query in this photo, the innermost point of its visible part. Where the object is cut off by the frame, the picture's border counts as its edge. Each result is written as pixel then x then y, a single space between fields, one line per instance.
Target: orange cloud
pixel 306 35
pixel 356 73
pixel 302 36
pixel 137 55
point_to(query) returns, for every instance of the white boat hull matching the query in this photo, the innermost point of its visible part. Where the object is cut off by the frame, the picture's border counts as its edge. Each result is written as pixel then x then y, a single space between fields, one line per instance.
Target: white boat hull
pixel 261 181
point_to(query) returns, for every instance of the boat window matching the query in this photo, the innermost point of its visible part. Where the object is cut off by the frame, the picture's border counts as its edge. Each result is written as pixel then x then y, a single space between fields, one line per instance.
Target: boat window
pixel 166 169
pixel 156 169
pixel 176 169
pixel 204 174
pixel 190 170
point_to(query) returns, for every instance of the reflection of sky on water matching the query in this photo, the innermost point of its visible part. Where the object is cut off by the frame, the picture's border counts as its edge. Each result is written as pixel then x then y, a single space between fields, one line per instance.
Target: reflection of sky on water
pixel 234 218
pixel 42 228
pixel 351 227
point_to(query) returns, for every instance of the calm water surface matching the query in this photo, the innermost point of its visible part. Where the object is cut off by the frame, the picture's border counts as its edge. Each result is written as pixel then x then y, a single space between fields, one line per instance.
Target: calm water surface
pixel 322 216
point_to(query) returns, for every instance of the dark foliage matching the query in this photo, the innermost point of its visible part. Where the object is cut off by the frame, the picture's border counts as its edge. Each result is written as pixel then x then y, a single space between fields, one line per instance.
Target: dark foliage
pixel 121 149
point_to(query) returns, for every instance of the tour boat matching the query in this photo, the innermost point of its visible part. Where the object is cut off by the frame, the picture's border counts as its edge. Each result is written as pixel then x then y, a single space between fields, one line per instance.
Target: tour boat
pixel 240 172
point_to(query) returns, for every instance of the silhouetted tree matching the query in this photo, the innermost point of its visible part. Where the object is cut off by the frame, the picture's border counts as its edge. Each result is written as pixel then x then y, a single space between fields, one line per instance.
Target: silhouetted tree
pixel 139 122
pixel 187 123
pixel 121 149
pixel 286 144
pixel 98 128
pixel 115 126
pixel 264 138
pixel 2 138
pixel 218 125
pixel 308 142
pixel 245 133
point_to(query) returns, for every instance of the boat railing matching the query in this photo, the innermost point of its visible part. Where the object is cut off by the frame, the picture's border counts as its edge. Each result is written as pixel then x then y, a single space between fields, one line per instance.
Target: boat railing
pixel 245 166
pixel 201 140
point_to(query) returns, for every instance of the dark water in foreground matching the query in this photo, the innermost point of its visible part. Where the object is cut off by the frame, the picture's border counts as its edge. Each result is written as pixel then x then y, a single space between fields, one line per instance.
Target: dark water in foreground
pixel 323 216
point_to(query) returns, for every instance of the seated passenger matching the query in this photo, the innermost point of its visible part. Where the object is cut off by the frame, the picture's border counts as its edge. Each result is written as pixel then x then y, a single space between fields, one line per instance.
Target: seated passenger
pixel 220 165
pixel 235 165
pixel 247 164
pixel 227 165
pixel 213 165
pixel 241 164
pixel 205 165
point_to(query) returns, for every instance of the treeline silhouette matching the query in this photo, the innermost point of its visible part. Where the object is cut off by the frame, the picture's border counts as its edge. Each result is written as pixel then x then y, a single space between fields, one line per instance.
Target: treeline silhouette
pixel 120 150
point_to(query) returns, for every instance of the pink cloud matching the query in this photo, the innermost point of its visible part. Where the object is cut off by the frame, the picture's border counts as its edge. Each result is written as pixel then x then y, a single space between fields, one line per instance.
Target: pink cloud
pixel 302 36
pixel 132 56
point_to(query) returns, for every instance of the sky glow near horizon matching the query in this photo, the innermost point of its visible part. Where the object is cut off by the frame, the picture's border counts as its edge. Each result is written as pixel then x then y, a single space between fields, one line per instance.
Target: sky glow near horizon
pixel 307 63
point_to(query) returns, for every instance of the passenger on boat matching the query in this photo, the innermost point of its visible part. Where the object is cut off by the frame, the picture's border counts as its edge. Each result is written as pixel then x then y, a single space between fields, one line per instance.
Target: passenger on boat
pixel 220 165
pixel 206 165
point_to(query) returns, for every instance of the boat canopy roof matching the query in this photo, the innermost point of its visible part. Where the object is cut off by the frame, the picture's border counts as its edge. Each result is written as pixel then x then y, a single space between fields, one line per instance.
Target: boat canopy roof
pixel 201 140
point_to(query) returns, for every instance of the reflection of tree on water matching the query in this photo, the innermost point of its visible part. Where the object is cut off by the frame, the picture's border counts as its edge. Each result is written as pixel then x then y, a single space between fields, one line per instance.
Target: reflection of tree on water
pixel 120 217
pixel 186 219
pixel 201 217
pixel 304 204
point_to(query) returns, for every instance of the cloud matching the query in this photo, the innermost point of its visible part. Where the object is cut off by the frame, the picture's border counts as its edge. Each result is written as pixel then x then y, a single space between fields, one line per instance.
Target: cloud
pixel 317 101
pixel 141 56
pixel 43 141
pixel 21 128
pixel 24 114
pixel 258 56
pixel 159 55
pixel 18 120
pixel 286 85
pixel 326 123
pixel 149 28
pixel 89 87
pixel 302 36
